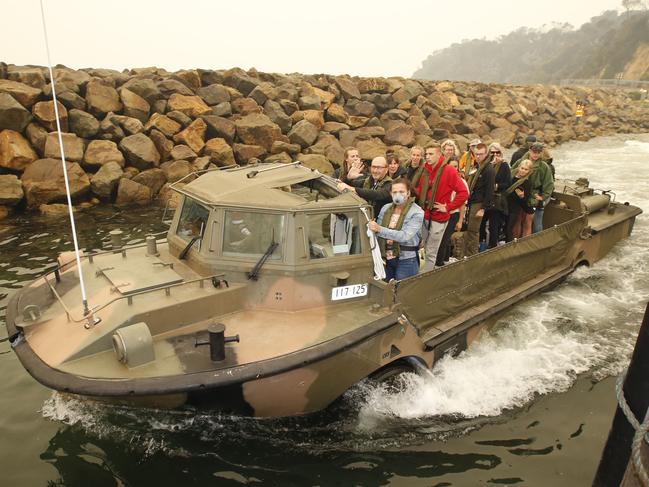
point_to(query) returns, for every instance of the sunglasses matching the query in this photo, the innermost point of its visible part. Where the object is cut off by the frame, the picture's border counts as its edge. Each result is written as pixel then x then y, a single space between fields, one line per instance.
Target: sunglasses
pixel 495 153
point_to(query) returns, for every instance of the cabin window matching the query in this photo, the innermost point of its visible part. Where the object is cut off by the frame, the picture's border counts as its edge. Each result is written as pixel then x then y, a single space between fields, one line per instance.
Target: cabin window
pixel 333 234
pixel 250 235
pixel 311 190
pixel 193 221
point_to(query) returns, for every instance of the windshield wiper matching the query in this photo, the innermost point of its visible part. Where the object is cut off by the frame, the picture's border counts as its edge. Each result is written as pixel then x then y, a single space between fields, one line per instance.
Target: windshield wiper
pixel 185 251
pixel 254 273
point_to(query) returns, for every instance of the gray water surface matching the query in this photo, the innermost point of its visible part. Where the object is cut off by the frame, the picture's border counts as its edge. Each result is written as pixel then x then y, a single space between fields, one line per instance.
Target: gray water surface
pixel 530 404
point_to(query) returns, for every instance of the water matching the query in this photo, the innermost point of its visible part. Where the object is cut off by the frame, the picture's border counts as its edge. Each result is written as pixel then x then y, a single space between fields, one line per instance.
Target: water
pixel 530 404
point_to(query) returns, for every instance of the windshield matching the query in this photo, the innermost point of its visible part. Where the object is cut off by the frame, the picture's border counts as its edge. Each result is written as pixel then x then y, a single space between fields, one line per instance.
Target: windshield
pixel 249 234
pixel 334 234
pixel 193 220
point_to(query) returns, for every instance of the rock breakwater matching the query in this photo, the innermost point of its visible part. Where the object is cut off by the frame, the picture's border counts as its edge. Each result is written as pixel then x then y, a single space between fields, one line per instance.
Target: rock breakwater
pixel 128 135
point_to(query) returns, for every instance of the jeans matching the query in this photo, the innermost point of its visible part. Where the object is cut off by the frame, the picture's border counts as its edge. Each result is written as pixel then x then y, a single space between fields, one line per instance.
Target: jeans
pixel 537 225
pixel 401 268
pixel 431 239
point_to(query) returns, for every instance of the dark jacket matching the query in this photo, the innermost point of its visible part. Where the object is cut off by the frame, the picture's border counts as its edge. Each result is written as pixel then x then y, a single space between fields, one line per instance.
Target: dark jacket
pixel 378 193
pixel 517 155
pixel 514 202
pixel 401 173
pixel 483 188
pixel 503 181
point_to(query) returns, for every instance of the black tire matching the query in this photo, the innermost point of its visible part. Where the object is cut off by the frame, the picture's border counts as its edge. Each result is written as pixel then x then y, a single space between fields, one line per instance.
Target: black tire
pixel 389 376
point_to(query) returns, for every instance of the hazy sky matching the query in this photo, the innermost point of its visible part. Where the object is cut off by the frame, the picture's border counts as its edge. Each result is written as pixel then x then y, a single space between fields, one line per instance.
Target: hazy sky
pixel 365 38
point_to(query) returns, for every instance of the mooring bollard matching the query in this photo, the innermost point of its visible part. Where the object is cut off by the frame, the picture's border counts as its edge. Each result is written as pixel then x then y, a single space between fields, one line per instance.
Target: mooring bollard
pixel 617 451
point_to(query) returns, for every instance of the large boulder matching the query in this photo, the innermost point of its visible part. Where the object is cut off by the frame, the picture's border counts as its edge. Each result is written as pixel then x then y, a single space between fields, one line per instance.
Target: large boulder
pixel 145 88
pixel 503 135
pixel 82 123
pixel 219 152
pixel 11 190
pixel 371 148
pixel 23 94
pixel 104 182
pixel 164 124
pixel 214 94
pixel 193 106
pixel 71 100
pixel 183 152
pixel 101 152
pixel 154 179
pixel 46 115
pixel 258 129
pixel 15 151
pixel 347 88
pixel 36 136
pixel 170 86
pixel 409 91
pixel 276 113
pixel 131 193
pixel 34 77
pixel 220 127
pixel 102 97
pixel 317 162
pixel 162 144
pixel 43 182
pixel 176 170
pixel 303 133
pixel 245 106
pixel 73 146
pixel 240 80
pixel 134 105
pixel 400 135
pixel 70 79
pixel 140 151
pixel 336 113
pixel 244 152
pixel 13 115
pixel 193 136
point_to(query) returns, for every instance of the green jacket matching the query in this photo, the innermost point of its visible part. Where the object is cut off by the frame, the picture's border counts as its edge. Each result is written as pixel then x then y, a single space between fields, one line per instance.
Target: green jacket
pixel 540 178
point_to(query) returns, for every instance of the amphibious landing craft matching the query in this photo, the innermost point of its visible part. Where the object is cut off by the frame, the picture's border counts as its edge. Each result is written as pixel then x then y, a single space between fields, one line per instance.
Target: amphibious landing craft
pixel 263 300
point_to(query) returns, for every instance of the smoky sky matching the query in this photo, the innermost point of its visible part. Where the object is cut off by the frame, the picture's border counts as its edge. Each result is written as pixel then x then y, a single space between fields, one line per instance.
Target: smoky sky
pixel 358 37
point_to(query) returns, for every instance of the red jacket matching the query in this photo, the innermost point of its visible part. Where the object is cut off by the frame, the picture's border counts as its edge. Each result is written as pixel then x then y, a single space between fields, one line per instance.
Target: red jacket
pixel 449 182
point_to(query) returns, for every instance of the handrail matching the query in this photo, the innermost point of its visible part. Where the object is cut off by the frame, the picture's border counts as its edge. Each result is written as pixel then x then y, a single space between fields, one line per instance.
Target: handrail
pixel 129 297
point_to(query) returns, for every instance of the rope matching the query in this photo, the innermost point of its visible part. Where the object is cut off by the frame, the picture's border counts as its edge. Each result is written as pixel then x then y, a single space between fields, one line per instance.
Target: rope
pixel 65 169
pixel 641 430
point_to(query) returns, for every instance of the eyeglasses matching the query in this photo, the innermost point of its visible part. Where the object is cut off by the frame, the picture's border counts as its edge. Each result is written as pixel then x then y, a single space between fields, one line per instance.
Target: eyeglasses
pixel 378 167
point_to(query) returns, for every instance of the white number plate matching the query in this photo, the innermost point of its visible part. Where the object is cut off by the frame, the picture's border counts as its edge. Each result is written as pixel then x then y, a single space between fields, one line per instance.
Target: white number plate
pixel 348 292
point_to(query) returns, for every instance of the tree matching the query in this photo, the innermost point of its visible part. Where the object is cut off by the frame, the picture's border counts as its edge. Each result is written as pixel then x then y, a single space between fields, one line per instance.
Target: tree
pixel 634 5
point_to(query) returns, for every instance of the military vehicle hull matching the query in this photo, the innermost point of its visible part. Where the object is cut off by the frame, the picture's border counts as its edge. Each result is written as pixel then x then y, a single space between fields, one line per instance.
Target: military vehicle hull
pixel 299 348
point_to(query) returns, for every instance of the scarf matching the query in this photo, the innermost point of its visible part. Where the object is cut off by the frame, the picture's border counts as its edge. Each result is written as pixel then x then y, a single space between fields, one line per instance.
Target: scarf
pixel 427 204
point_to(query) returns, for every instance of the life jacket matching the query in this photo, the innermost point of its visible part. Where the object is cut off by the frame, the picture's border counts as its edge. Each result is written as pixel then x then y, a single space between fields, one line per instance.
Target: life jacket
pixel 385 222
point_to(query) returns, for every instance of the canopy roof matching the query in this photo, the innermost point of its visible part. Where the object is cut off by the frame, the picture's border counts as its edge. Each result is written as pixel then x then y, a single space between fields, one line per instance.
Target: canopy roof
pixel 269 187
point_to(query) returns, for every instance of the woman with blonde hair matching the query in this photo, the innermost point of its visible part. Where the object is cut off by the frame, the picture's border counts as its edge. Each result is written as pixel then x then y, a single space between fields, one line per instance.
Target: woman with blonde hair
pixel 415 165
pixel 520 202
pixel 450 149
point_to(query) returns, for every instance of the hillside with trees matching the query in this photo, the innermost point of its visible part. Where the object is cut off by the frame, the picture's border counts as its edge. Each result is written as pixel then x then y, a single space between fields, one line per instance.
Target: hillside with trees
pixel 610 45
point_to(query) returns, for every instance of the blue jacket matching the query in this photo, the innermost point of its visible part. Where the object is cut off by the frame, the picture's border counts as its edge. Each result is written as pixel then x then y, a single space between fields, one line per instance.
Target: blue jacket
pixel 410 233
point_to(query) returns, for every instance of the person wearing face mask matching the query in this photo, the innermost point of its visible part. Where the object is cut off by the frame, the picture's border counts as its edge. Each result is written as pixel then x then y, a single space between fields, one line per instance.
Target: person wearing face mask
pixel 399 231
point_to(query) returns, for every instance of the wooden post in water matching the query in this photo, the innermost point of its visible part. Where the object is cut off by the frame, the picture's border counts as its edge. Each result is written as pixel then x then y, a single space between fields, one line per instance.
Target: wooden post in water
pixel 617 451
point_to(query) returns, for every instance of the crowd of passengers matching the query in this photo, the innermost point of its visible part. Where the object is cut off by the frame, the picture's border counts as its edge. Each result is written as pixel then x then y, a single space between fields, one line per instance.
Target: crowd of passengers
pixel 448 203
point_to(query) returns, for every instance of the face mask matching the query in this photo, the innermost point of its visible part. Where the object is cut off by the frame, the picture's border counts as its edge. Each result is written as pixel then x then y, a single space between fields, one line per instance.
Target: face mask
pixel 398 198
